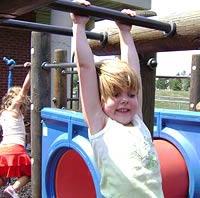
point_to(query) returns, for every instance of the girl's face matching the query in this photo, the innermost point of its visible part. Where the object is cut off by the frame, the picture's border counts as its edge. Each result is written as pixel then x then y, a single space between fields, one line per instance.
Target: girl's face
pixel 122 107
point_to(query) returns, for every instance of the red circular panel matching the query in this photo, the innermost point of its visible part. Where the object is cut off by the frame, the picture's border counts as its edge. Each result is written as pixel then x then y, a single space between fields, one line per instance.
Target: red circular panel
pixel 173 169
pixel 73 178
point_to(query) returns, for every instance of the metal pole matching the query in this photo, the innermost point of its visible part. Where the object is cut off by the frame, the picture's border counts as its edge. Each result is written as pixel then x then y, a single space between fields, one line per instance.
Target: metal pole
pixel 56 65
pixel 40 97
pixel 105 13
pixel 195 82
pixel 10 77
pixel 62 65
pixel 148 90
pixel 59 81
pixel 39 27
pixel 178 77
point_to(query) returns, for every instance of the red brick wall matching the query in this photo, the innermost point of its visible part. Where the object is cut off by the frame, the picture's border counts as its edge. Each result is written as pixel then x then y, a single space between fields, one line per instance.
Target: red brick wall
pixel 15 44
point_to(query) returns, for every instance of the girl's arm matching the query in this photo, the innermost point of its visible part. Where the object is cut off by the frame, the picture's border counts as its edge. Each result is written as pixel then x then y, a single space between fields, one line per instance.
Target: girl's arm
pixel 129 53
pixel 25 87
pixel 89 93
pixel 27 82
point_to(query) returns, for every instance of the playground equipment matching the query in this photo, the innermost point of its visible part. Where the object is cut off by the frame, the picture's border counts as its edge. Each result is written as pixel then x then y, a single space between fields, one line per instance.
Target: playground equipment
pixel 178 132
pixel 68 148
pixel 100 12
pixel 151 63
pixel 105 13
pixel 162 45
pixel 68 166
pixel 39 27
pixel 11 63
pixel 46 65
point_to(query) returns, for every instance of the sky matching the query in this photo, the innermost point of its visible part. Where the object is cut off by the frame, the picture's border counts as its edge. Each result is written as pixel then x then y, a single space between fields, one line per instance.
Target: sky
pixel 174 62
pixel 171 63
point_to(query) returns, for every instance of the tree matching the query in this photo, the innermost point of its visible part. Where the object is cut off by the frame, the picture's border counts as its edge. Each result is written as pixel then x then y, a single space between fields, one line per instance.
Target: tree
pixel 161 83
pixel 175 84
pixel 185 84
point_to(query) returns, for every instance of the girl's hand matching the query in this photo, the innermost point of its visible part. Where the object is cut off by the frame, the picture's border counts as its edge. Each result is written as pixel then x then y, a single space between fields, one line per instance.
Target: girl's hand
pixel 27 64
pixel 125 27
pixel 77 19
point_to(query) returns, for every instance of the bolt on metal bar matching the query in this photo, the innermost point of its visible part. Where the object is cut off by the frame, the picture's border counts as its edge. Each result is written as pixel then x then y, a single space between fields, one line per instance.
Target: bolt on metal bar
pixel 48 28
pixel 105 13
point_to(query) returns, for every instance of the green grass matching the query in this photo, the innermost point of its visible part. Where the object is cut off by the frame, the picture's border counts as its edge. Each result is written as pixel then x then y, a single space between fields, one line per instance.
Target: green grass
pixel 172 93
pixel 169 99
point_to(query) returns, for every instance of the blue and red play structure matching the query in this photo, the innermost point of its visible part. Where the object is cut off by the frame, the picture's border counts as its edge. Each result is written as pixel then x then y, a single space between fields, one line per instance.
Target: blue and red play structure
pixel 177 139
pixel 69 170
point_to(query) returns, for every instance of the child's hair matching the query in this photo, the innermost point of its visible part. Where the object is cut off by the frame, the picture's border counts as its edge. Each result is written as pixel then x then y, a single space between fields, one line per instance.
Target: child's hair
pixel 10 95
pixel 114 77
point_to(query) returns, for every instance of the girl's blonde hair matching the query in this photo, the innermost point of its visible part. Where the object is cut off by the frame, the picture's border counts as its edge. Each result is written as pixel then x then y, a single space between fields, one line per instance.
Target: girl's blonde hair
pixel 114 77
pixel 10 95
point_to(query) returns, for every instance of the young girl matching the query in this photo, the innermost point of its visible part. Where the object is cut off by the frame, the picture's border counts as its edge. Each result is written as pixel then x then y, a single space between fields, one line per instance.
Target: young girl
pixel 14 160
pixel 121 142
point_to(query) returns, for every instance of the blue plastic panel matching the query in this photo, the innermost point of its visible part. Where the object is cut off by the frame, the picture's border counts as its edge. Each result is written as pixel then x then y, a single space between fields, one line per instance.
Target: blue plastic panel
pixel 182 128
pixel 64 130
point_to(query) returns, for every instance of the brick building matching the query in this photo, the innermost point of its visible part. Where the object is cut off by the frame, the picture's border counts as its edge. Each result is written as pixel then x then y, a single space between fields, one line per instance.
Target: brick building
pixel 15 44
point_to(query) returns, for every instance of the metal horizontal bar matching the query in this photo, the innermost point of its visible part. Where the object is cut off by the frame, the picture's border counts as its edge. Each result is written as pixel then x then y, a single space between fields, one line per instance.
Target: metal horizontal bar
pixel 47 28
pixel 106 13
pixel 11 63
pixel 20 65
pixel 69 72
pixel 62 65
pixel 72 99
pixel 184 77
